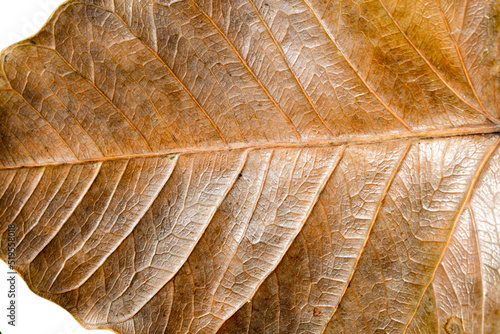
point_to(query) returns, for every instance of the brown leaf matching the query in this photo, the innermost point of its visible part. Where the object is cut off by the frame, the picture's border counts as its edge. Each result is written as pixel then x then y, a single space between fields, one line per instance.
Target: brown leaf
pixel 258 166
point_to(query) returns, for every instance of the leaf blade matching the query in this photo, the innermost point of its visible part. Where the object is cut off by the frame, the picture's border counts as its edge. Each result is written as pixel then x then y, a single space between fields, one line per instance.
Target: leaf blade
pixel 181 161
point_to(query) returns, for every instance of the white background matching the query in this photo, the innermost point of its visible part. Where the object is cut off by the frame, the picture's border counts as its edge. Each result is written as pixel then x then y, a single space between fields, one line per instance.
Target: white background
pixel 20 19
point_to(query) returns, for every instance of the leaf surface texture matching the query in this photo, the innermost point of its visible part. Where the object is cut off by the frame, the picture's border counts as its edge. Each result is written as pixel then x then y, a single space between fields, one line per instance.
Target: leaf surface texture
pixel 258 166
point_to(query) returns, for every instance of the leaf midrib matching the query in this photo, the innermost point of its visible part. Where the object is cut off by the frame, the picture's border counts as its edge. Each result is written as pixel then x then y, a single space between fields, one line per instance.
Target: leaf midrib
pixel 421 135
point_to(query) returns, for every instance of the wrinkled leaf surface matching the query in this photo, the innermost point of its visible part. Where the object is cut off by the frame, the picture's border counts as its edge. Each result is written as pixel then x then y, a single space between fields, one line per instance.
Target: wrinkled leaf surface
pixel 258 166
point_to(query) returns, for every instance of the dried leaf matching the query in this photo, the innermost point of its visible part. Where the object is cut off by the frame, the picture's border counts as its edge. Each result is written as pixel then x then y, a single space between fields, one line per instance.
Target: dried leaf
pixel 264 166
